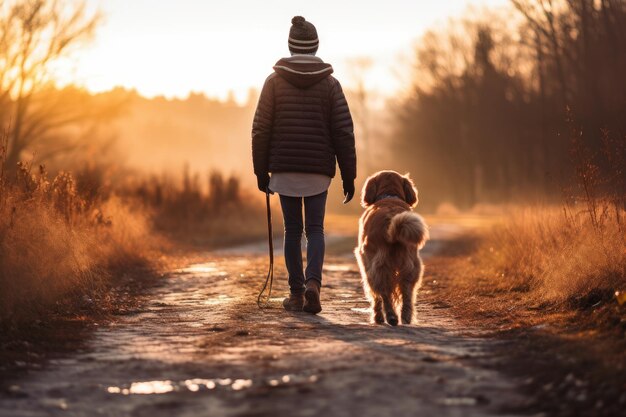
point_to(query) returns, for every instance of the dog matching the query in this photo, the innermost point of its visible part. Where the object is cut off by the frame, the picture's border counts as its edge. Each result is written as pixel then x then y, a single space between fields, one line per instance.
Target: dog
pixel 390 236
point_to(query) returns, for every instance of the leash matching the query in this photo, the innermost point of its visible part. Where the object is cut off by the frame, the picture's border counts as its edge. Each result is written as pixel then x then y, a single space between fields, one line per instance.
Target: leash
pixel 270 273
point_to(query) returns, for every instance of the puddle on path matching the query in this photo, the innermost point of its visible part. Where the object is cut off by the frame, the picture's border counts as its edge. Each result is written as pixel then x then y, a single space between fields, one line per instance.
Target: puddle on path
pixel 203 384
pixel 204 268
pixel 192 385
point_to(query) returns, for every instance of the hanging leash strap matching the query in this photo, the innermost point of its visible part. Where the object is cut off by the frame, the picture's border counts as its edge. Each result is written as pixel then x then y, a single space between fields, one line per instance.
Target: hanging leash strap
pixel 269 280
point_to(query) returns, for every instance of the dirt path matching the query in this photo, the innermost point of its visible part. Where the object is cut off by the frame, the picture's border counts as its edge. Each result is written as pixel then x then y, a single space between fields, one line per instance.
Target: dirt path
pixel 199 346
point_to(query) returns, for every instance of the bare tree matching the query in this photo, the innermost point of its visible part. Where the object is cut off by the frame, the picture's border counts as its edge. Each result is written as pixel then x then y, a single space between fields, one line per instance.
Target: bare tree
pixel 541 15
pixel 34 34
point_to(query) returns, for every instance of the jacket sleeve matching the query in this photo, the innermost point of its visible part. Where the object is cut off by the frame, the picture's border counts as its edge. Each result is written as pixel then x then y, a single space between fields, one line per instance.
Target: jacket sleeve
pixel 342 132
pixel 262 129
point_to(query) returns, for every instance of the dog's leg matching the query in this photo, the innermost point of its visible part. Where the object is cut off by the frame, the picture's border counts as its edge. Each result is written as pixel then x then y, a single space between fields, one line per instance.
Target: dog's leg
pixel 409 279
pixel 381 281
pixel 408 301
pixel 390 312
pixel 377 313
pixel 370 294
pixel 376 304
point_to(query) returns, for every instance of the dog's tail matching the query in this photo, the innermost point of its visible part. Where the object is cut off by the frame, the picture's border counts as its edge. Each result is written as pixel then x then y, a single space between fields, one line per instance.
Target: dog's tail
pixel 408 228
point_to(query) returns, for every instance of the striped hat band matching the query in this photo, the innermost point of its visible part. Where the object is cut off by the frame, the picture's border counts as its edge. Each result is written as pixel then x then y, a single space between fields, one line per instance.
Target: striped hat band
pixel 303 42
pixel 297 45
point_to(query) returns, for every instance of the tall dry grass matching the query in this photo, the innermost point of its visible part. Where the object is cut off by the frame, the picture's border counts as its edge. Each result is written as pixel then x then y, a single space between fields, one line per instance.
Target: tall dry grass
pixel 557 256
pixel 578 249
pixel 58 247
pixel 210 210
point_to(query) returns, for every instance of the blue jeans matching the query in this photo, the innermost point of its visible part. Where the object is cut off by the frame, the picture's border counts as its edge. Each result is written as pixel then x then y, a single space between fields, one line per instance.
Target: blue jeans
pixel 314 210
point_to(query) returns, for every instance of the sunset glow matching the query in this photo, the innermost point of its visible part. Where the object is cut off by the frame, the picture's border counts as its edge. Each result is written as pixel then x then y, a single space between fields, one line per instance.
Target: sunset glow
pixel 172 48
pixel 439 229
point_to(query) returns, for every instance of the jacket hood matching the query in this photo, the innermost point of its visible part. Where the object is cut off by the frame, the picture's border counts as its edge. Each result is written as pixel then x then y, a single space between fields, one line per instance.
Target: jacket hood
pixel 303 71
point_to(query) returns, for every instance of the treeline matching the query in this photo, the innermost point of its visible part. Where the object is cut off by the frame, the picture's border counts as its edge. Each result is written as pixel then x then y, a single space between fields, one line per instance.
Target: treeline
pixel 502 104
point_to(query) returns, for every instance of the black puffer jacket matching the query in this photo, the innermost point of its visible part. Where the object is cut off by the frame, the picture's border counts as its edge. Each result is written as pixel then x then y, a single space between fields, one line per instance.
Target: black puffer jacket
pixel 302 122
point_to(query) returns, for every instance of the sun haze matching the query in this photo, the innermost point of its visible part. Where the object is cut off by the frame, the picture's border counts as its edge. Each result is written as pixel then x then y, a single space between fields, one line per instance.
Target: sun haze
pixel 174 47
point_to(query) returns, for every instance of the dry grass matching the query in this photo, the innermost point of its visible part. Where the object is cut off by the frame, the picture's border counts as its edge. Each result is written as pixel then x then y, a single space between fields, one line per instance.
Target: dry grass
pixel 56 246
pixel 576 252
pixel 558 256
pixel 210 212
pixel 537 268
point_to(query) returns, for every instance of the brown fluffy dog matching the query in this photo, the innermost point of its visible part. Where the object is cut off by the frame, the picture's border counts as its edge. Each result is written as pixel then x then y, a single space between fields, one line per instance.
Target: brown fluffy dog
pixel 390 235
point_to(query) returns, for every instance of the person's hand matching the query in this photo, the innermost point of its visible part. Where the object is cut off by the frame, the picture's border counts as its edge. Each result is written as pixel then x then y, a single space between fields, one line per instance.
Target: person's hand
pixel 263 181
pixel 348 190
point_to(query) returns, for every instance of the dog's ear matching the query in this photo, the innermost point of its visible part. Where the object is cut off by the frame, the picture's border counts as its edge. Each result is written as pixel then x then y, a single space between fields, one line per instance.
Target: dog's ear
pixel 410 192
pixel 370 189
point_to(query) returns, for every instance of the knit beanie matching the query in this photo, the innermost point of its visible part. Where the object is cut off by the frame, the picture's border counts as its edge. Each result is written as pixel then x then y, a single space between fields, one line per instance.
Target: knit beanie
pixel 302 37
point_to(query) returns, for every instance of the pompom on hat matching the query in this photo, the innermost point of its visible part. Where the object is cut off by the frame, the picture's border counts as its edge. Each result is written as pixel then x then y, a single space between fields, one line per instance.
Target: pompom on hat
pixel 302 37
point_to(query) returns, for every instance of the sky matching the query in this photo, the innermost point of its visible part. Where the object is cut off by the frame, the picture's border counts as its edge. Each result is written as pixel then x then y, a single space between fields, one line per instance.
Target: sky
pixel 174 47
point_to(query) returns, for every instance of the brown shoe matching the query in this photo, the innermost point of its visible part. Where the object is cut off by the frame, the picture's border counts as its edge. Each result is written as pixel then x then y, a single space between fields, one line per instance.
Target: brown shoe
pixel 294 302
pixel 312 297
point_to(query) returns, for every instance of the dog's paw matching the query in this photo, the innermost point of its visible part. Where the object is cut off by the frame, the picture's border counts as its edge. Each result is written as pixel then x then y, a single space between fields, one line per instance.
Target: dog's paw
pixel 392 319
pixel 407 318
pixel 378 319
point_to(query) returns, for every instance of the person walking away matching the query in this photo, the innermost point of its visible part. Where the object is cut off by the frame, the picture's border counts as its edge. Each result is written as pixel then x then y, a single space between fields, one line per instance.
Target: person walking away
pixel 302 129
